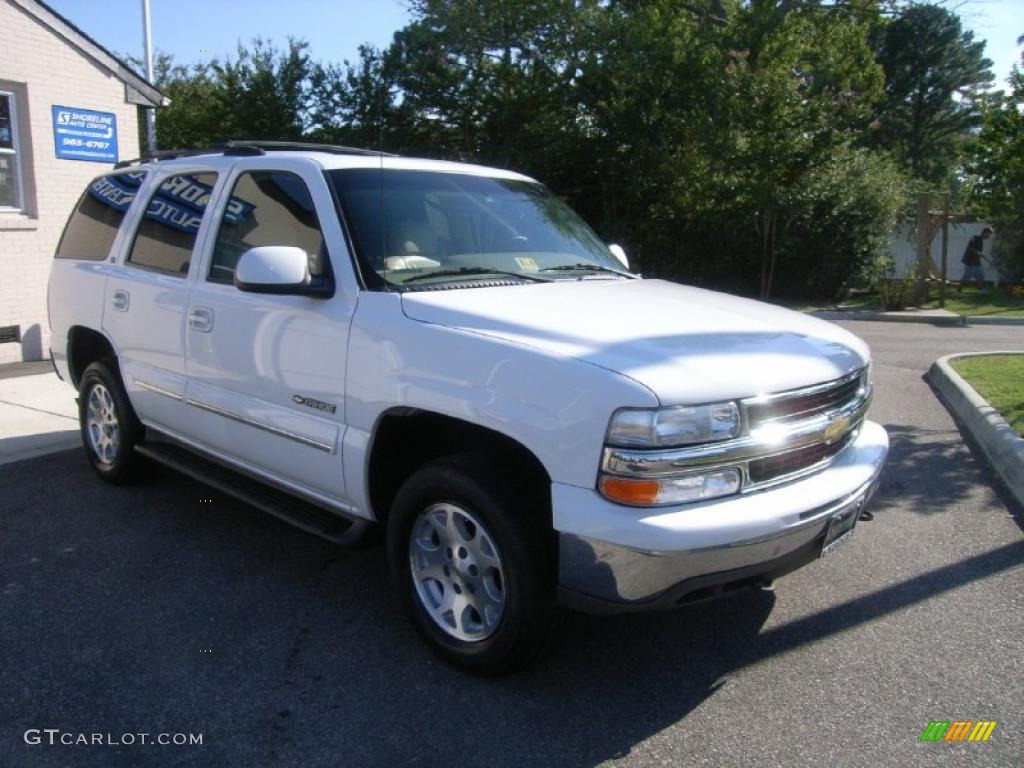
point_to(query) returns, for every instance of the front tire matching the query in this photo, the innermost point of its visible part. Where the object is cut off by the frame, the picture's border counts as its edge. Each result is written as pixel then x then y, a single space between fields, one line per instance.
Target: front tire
pixel 473 563
pixel 110 428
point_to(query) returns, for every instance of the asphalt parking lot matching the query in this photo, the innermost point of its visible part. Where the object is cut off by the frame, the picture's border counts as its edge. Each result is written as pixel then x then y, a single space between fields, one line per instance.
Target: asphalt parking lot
pixel 170 608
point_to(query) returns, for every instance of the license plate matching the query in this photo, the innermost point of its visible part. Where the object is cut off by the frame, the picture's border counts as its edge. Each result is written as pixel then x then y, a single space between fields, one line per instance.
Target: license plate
pixel 840 526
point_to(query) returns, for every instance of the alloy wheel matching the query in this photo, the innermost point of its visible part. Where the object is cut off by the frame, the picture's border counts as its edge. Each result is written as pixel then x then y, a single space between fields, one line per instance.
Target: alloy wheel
pixel 457 572
pixel 102 425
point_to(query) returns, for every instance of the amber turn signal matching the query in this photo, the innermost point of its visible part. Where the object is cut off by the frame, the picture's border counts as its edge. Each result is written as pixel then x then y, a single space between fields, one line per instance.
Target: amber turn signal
pixel 627 491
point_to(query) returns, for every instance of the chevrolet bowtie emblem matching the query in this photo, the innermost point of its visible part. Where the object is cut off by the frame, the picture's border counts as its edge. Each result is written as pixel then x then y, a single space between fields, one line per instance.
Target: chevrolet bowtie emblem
pixel 837 428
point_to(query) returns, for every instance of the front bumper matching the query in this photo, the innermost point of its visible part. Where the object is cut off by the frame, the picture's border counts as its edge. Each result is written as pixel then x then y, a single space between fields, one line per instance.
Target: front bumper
pixel 614 558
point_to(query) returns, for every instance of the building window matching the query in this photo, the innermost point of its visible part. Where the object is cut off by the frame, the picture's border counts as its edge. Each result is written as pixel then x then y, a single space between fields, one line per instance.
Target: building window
pixel 10 171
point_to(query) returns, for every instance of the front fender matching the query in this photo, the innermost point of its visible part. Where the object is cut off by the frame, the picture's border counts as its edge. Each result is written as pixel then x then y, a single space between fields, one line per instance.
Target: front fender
pixel 555 406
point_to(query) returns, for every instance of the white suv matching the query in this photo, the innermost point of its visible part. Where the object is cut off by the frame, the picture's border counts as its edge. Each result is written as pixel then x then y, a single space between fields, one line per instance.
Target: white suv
pixel 347 339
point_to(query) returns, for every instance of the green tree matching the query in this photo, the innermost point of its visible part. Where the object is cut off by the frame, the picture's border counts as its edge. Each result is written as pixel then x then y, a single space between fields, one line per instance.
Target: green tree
pixel 263 93
pixel 352 103
pixel 935 76
pixel 805 89
pixel 681 130
pixel 491 80
pixel 718 128
pixel 191 119
pixel 997 188
pixel 716 139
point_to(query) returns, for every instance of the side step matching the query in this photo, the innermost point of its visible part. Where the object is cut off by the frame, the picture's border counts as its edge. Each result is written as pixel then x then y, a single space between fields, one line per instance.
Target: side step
pixel 300 513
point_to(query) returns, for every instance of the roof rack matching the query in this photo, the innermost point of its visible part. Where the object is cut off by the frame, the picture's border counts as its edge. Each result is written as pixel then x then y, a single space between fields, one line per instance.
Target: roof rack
pixel 168 154
pixel 249 148
pixel 298 146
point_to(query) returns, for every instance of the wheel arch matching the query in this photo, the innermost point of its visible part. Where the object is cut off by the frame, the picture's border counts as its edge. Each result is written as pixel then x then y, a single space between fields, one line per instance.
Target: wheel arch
pixel 405 439
pixel 87 345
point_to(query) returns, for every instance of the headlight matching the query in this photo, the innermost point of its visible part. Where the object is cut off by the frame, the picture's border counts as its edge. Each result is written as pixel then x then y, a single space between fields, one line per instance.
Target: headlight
pixel 671 490
pixel 678 425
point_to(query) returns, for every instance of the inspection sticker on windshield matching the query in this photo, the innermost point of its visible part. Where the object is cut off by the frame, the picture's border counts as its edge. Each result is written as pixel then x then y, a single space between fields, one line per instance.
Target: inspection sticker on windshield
pixel 527 263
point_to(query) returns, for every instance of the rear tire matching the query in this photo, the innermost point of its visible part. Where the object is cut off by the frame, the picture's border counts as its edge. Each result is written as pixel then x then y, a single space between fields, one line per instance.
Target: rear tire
pixel 474 565
pixel 110 428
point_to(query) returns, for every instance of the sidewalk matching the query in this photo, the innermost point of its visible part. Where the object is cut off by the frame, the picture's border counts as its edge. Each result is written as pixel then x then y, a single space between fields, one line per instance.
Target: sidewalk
pixel 38 415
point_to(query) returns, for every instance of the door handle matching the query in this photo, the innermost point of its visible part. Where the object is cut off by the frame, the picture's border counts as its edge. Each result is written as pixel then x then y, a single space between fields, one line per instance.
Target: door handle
pixel 200 319
pixel 120 300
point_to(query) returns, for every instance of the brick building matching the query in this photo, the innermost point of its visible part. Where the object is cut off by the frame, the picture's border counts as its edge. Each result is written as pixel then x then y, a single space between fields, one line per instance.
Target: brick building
pixel 68 112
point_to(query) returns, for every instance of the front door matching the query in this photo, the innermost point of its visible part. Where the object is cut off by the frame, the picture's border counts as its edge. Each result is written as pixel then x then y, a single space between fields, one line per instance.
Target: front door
pixel 266 373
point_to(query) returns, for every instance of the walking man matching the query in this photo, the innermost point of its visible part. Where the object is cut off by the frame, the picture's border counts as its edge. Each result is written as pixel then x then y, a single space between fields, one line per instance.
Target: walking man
pixel 973 256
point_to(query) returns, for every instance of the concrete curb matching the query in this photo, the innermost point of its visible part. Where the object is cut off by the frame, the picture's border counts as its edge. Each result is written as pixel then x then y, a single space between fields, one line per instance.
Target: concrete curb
pixel 1003 447
pixel 990 320
pixel 890 317
pixel 910 316
pixel 38 415
pixel 14 370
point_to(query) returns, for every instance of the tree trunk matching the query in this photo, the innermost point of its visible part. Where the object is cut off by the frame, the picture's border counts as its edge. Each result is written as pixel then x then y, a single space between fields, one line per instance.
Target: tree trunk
pixel 766 233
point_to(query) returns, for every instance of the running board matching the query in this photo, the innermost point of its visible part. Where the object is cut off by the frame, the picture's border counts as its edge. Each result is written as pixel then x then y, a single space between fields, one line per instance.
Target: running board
pixel 302 514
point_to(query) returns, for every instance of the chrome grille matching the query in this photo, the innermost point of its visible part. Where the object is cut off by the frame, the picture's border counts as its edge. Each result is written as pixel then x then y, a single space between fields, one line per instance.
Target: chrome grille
pixel 803 403
pixel 771 468
pixel 786 435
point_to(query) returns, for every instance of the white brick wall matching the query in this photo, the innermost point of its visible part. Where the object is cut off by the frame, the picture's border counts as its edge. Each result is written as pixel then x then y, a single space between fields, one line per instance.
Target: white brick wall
pixel 52 72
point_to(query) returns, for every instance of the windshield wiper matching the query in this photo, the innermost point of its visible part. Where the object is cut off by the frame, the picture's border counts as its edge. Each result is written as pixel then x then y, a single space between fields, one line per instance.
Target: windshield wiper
pixel 580 266
pixel 471 271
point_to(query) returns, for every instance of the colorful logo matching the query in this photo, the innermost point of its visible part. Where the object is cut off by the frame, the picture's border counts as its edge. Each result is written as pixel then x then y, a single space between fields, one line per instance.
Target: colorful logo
pixel 958 730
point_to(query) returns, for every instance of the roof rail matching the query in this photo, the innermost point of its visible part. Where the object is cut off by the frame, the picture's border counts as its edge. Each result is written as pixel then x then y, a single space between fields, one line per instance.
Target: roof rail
pixel 301 146
pixel 248 148
pixel 168 154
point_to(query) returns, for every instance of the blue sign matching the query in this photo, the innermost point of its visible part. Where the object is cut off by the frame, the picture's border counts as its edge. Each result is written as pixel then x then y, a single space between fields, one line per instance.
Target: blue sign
pixel 84 134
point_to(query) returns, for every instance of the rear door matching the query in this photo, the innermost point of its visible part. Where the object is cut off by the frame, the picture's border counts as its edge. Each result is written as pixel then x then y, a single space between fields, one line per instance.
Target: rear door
pixel 86 255
pixel 266 372
pixel 147 295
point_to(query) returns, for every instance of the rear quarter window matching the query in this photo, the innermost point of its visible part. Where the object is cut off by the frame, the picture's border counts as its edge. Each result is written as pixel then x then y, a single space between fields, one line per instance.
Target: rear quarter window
pixel 90 232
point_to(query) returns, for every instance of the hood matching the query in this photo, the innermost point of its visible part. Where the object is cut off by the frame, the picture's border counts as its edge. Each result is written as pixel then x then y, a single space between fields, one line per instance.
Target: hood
pixel 687 345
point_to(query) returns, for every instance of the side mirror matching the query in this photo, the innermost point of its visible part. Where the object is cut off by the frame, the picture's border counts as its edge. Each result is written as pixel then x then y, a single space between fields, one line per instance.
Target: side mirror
pixel 619 254
pixel 279 269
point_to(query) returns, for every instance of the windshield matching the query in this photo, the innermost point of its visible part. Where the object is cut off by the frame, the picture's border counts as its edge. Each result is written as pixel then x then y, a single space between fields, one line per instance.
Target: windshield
pixel 427 228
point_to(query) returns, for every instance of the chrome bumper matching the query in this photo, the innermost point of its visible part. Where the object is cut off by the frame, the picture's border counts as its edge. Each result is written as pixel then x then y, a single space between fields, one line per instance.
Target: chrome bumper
pixel 598 575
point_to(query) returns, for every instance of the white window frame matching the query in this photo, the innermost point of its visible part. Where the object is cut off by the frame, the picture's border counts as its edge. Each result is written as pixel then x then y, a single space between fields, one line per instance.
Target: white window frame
pixel 15 152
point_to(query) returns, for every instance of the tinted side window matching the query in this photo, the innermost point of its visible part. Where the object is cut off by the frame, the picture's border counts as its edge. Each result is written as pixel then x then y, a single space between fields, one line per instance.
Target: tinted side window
pixel 167 233
pixel 91 230
pixel 267 208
